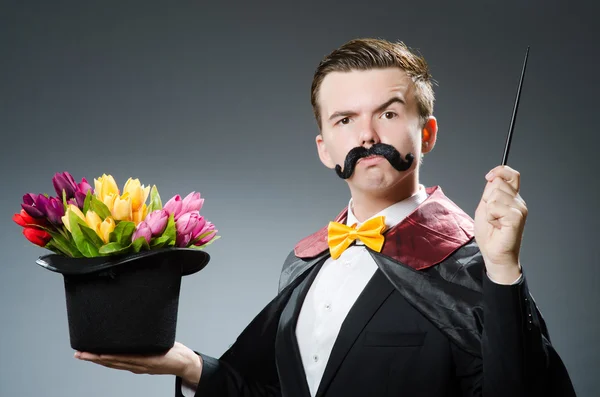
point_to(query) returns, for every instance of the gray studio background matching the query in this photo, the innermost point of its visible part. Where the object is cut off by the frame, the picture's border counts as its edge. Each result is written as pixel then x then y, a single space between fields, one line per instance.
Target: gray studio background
pixel 215 98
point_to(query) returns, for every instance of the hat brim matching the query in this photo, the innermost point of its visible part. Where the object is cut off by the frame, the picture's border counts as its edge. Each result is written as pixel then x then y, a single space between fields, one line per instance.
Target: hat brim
pixel 191 261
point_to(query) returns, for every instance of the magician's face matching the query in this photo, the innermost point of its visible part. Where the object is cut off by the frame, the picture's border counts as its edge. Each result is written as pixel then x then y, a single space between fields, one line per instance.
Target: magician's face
pixel 366 108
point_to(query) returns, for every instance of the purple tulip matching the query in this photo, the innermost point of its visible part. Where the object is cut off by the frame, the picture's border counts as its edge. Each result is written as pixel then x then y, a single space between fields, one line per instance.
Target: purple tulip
pixel 173 206
pixel 55 210
pixel 157 221
pixel 142 230
pixel 64 181
pixel 192 202
pixel 82 189
pixel 31 207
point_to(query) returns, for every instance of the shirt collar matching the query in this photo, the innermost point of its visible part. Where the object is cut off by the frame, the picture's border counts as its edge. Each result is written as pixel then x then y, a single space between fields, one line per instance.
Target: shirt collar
pixel 395 213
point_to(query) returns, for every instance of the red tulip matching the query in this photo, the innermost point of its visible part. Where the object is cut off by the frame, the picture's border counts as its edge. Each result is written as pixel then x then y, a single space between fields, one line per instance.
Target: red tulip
pixel 26 220
pixel 37 236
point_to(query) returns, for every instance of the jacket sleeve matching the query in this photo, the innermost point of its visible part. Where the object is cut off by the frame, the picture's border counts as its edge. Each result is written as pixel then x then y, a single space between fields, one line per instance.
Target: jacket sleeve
pixel 219 378
pixel 248 368
pixel 517 358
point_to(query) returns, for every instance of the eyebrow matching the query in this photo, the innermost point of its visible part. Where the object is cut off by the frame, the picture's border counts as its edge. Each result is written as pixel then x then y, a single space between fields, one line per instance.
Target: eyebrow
pixel 346 113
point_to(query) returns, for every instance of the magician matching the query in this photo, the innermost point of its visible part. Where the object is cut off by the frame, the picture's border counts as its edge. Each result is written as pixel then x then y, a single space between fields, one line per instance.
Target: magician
pixel 402 293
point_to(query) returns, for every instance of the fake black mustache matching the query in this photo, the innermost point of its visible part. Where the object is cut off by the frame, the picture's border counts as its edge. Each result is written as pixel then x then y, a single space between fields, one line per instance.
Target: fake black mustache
pixel 379 149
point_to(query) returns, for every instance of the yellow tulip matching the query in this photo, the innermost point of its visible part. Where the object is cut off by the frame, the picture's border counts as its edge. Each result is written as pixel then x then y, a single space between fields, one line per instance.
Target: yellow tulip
pixel 140 215
pixel 77 211
pixel 93 220
pixel 104 186
pixel 137 192
pixel 105 229
pixel 121 209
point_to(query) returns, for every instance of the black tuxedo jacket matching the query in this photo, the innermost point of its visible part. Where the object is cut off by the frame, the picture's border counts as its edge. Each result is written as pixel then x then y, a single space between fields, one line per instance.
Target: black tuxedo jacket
pixel 421 327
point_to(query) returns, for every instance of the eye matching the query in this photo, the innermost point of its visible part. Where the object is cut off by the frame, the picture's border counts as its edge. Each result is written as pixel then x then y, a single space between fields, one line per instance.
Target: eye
pixel 344 121
pixel 389 115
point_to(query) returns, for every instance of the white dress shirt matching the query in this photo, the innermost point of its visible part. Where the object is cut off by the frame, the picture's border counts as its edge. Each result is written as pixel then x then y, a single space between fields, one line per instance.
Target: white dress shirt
pixel 334 291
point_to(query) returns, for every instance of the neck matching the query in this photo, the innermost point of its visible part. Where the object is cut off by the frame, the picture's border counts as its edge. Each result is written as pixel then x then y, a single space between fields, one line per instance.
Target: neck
pixel 365 204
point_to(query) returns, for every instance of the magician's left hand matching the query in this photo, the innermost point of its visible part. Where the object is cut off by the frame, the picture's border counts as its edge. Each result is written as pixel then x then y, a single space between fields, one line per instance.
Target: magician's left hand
pixel 499 223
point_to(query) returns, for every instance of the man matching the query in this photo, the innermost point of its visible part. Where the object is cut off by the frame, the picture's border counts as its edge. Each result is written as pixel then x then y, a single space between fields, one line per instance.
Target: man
pixel 403 294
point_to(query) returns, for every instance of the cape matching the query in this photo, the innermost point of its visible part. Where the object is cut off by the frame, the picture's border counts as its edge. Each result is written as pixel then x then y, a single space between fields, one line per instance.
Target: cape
pixel 431 258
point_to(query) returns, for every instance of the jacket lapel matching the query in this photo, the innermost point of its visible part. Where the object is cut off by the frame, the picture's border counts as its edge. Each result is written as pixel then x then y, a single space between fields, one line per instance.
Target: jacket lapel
pixel 372 297
pixel 289 361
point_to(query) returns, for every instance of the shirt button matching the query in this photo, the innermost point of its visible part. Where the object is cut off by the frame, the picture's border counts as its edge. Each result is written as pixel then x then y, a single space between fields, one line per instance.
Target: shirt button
pixel 328 306
pixel 315 358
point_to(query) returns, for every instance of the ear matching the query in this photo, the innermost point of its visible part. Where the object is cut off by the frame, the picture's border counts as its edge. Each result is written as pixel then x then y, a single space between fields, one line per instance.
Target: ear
pixel 323 153
pixel 429 135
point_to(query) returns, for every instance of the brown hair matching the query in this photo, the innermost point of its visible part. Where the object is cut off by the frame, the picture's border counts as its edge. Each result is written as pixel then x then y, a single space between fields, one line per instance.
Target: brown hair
pixel 365 54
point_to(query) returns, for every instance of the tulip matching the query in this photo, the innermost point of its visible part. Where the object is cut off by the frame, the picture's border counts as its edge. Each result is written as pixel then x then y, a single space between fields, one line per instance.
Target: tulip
pixel 137 192
pixel 64 182
pixel 142 230
pixel 93 221
pixel 77 211
pixel 37 236
pixel 140 214
pixel 121 209
pixel 192 202
pixel 26 220
pixel 31 207
pixel 173 206
pixel 157 221
pixel 105 186
pixel 55 210
pixel 106 228
pixel 82 190
pixel 207 227
pixel 188 223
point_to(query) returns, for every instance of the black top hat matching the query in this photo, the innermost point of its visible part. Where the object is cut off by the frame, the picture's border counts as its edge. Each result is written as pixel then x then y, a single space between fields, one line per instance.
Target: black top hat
pixel 191 260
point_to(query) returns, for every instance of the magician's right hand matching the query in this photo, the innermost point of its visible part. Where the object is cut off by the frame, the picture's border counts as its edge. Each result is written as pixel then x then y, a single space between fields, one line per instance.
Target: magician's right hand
pixel 179 361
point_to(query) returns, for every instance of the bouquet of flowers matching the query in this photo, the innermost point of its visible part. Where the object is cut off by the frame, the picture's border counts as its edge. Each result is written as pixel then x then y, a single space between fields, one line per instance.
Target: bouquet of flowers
pixel 82 221
pixel 122 258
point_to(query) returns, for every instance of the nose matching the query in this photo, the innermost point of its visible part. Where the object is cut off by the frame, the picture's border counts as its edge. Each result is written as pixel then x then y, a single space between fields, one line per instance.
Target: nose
pixel 368 135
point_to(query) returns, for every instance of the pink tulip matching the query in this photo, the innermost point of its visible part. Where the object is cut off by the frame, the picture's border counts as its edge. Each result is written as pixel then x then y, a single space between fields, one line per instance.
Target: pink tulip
pixel 142 230
pixel 173 206
pixel 157 221
pixel 208 227
pixel 192 202
pixel 82 189
pixel 187 222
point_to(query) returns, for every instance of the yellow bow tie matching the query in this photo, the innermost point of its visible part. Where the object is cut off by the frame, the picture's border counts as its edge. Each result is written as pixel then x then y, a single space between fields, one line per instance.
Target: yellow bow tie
pixel 341 236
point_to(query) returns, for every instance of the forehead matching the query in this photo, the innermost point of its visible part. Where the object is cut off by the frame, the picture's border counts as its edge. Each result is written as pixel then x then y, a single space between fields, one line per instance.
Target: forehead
pixel 363 88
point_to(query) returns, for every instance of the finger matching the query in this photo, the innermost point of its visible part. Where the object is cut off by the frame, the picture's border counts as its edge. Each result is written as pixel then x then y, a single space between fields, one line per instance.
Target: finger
pixel 504 215
pixel 116 363
pixel 502 197
pixel 499 184
pixel 509 175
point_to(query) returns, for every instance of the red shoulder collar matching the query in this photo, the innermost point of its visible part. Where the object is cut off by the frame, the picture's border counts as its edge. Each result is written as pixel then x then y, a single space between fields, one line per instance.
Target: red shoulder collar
pixel 431 233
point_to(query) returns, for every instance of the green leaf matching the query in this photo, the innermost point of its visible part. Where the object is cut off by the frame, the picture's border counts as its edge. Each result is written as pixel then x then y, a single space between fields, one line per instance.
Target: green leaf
pixel 113 249
pixel 200 237
pixel 206 244
pixel 139 243
pixel 87 201
pixel 92 236
pixel 64 199
pixel 99 208
pixel 159 242
pixel 84 246
pixel 122 233
pixel 65 245
pixel 155 202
